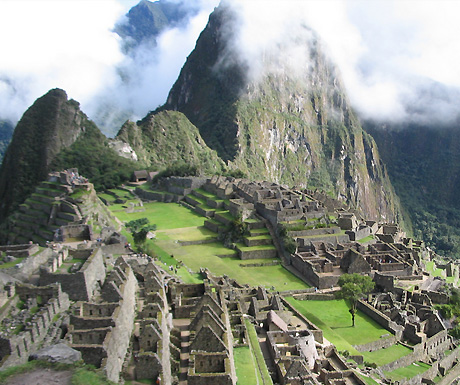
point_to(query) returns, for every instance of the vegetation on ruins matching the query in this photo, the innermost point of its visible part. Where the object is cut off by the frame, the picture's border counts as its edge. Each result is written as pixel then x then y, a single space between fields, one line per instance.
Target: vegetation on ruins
pixel 94 159
pixel 139 229
pixel 235 232
pixel 288 242
pixel 353 288
pixel 451 310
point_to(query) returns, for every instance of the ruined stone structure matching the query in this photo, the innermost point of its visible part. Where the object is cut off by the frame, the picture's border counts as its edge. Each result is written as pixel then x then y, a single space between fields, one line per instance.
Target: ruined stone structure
pixel 81 284
pixel 133 319
pixel 101 330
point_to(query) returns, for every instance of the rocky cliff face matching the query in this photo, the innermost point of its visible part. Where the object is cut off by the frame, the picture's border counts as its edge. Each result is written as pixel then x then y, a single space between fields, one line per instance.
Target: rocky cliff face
pixel 52 123
pixel 287 123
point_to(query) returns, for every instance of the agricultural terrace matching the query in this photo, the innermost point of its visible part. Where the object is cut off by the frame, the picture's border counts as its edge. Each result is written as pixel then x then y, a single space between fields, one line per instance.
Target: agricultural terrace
pixel 333 318
pixel 177 224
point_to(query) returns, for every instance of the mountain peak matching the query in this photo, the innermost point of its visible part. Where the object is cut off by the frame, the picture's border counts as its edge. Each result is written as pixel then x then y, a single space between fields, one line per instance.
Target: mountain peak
pixel 281 114
pixel 52 123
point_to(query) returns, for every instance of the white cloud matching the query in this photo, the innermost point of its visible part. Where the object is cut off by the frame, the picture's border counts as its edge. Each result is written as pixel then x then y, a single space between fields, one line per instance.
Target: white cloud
pixel 46 44
pixel 384 49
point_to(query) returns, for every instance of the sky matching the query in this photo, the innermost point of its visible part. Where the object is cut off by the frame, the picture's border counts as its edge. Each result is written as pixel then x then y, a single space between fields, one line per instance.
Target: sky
pixel 386 51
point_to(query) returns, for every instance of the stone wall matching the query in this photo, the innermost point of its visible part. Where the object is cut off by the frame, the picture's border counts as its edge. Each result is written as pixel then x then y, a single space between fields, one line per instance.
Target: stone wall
pixel 449 361
pixel 380 318
pixel 115 320
pixel 257 254
pixel 312 232
pixel 383 343
pixel 76 231
pixel 437 297
pixel 148 366
pixel 404 361
pixel 20 251
pixel 30 265
pixel 118 344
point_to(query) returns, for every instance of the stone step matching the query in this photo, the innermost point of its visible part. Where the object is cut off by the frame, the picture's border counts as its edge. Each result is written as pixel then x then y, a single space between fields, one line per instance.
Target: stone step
pixel 185 204
pixel 42 198
pixel 49 192
pixel 205 212
pixel 256 241
pixel 41 206
pixel 30 212
pixel 68 216
pixel 222 219
pixel 62 222
pixel 255 225
pixel 192 201
pixel 256 232
pixel 216 204
pixel 45 234
pixel 262 252
pixel 200 195
pixel 30 221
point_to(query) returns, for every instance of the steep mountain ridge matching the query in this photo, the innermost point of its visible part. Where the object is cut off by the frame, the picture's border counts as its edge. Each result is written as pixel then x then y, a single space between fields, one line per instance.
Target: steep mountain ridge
pixel 52 123
pixel 287 125
pixel 167 138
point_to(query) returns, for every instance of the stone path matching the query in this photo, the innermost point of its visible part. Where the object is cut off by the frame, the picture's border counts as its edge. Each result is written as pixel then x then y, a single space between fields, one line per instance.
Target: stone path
pixel 41 377
pixel 184 356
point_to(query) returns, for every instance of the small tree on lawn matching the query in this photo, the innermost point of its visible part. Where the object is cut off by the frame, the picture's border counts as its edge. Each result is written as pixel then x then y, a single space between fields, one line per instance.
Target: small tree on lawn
pixel 354 287
pixel 139 228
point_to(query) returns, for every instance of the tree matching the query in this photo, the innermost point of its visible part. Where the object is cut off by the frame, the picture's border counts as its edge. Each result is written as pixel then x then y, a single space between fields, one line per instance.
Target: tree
pixel 354 287
pixel 139 228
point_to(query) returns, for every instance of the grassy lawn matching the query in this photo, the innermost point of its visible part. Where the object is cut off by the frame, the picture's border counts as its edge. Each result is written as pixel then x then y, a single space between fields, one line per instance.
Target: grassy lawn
pixel 187 234
pixel 260 231
pixel 257 353
pixel 385 356
pixel 335 321
pixel 197 256
pixel 262 236
pixel 245 367
pixel 164 215
pixel 207 194
pixel 408 371
pixel 177 223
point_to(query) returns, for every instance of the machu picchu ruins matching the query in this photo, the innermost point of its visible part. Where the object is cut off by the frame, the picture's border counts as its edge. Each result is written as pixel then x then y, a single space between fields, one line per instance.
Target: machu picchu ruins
pixel 140 313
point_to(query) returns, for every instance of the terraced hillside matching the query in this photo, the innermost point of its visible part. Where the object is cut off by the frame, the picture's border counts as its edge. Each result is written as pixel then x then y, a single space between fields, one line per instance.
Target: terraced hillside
pixel 55 204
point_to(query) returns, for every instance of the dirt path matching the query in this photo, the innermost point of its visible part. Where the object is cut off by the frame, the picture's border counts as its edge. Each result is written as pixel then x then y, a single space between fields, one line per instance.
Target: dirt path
pixel 41 377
